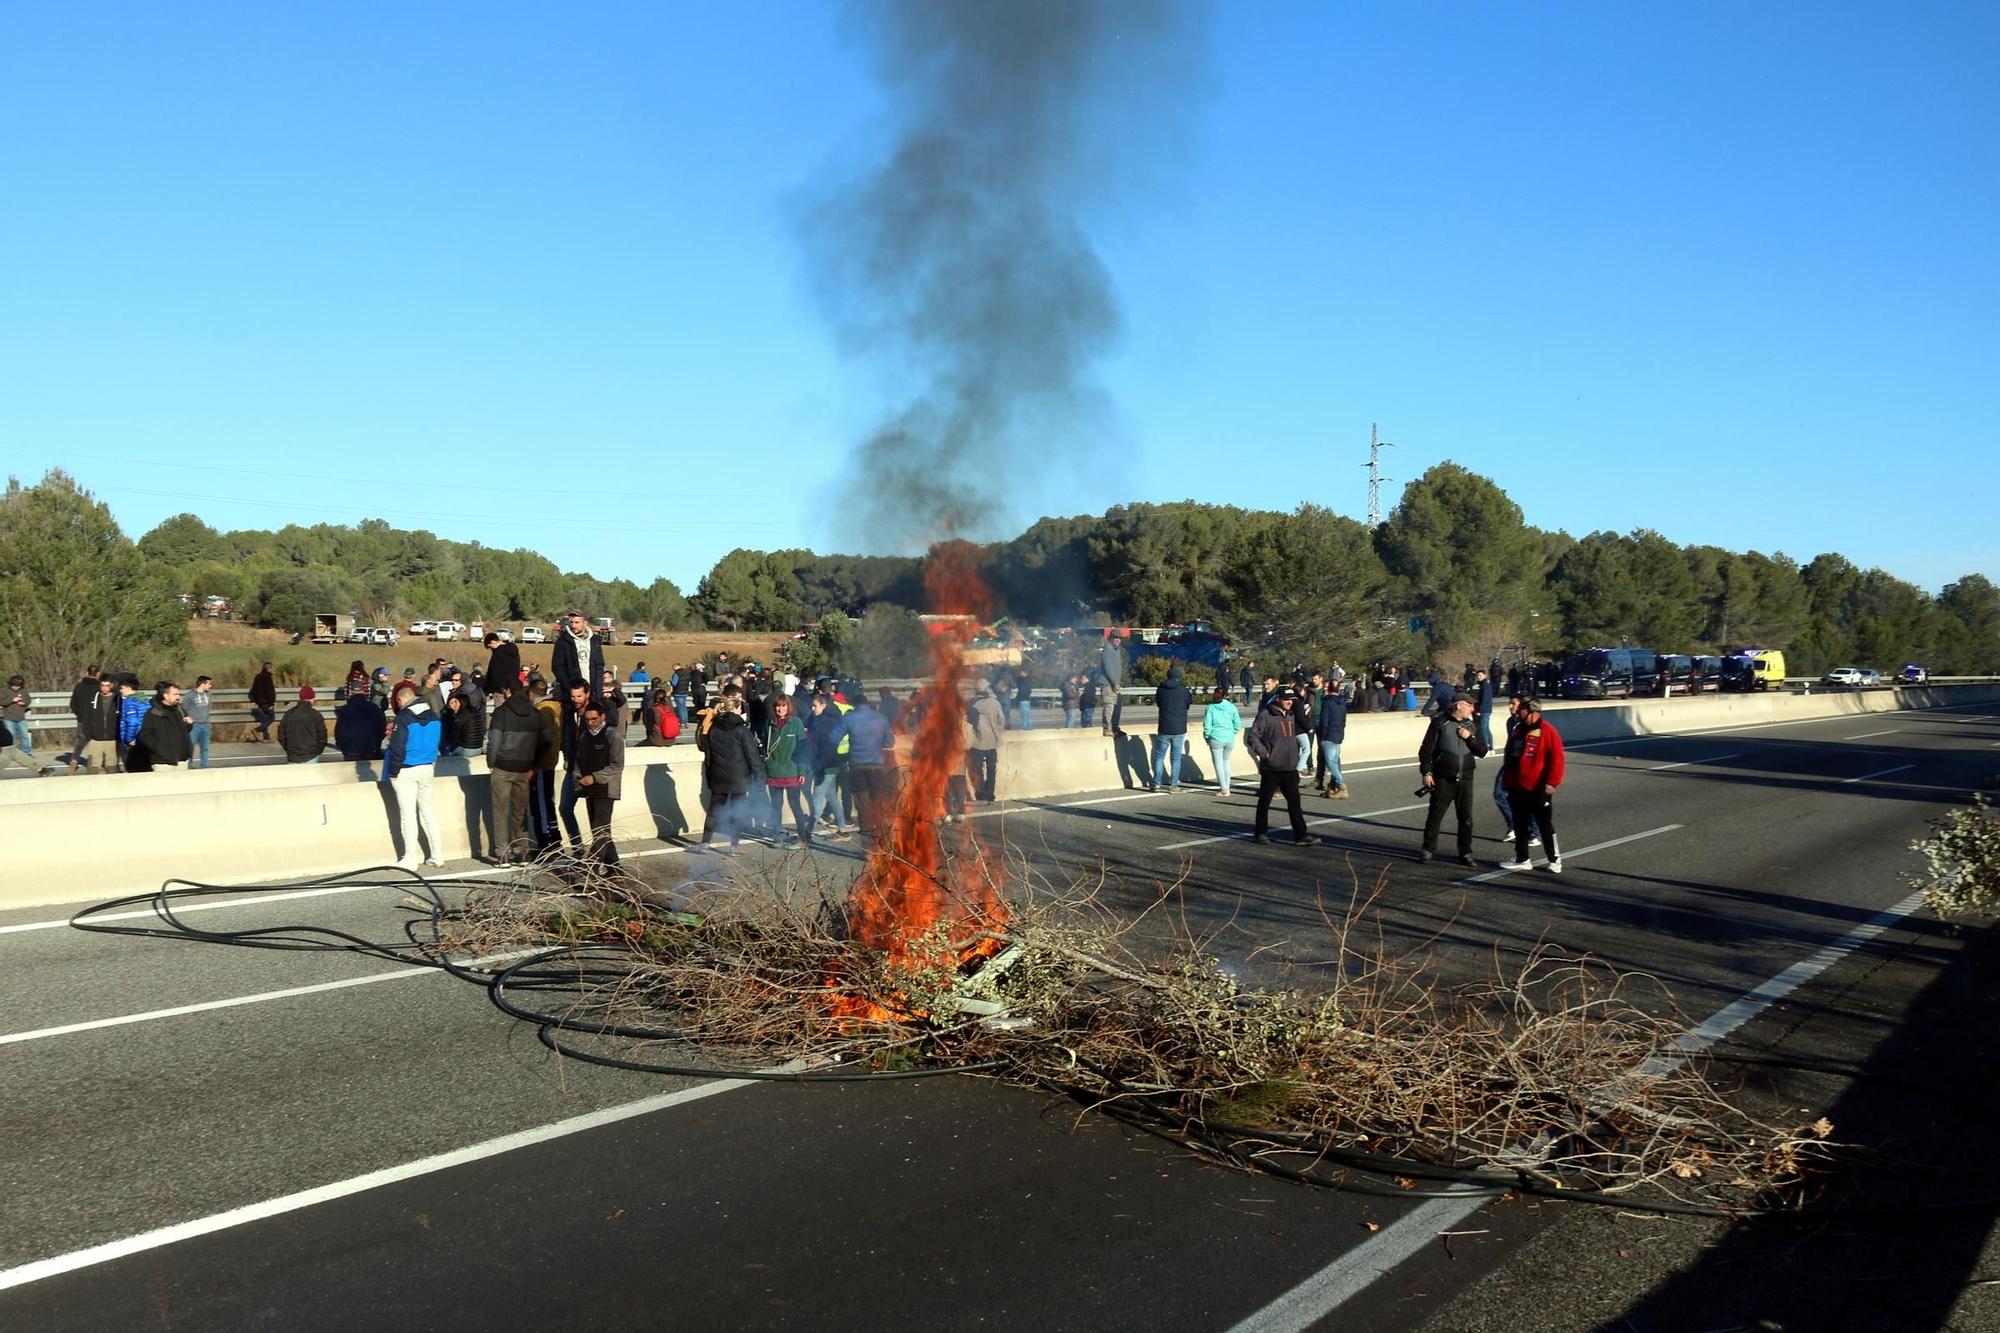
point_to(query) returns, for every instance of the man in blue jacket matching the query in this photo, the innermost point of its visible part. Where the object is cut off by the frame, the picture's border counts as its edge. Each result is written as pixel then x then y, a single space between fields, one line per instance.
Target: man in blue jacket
pixel 1331 730
pixel 1170 737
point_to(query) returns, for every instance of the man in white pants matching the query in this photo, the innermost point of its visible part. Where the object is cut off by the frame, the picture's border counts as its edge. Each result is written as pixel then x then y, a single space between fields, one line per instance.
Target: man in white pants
pixel 408 766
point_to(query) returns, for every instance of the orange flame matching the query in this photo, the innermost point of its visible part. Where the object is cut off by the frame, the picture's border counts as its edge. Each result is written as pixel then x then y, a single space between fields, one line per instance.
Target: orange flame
pixel 913 881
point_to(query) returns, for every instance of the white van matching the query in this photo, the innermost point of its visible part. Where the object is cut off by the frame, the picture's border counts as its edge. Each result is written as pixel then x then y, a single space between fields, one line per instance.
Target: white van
pixel 533 634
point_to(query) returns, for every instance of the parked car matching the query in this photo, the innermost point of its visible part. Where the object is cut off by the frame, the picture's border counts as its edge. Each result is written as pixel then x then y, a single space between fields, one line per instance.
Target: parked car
pixel 1913 674
pixel 533 634
pixel 360 634
pixel 1849 676
pixel 445 632
pixel 383 635
pixel 1676 671
pixel 422 626
pixel 1707 673
pixel 639 639
pixel 1869 677
pixel 1754 669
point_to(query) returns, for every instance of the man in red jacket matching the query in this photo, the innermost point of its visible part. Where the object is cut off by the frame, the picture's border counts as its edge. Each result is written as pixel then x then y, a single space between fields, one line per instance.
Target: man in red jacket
pixel 1533 769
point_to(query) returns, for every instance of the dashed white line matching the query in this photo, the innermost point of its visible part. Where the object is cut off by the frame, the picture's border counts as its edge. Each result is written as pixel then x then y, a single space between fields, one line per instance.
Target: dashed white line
pixel 1580 851
pixel 1333 1286
pixel 1713 759
pixel 1869 735
pixel 1879 773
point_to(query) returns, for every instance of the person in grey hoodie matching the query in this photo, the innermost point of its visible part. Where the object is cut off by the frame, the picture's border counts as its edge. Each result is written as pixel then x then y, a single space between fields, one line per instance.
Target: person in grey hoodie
pixel 1111 665
pixel 199 706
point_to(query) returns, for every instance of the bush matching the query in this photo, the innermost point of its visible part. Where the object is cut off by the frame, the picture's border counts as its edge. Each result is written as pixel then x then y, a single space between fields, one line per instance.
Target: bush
pixel 1962 863
pixel 1152 671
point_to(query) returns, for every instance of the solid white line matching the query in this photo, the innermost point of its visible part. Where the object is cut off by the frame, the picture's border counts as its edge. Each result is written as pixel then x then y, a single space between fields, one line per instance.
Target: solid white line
pixel 1714 759
pixel 1868 734
pixel 37 1034
pixel 340 1189
pixel 1333 1286
pixel 1883 773
pixel 1581 851
pixel 1324 819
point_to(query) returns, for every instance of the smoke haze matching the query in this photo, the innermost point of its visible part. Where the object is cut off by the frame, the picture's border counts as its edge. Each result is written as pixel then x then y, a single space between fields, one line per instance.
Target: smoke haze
pixel 956 262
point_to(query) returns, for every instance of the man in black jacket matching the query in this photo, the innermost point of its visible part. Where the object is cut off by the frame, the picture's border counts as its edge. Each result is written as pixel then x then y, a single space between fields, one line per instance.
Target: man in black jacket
pixel 163 734
pixel 576 657
pixel 1170 735
pixel 359 725
pixel 82 697
pixel 1273 741
pixel 600 766
pixel 264 702
pixel 1451 751
pixel 503 663
pixel 519 739
pixel 99 723
pixel 302 734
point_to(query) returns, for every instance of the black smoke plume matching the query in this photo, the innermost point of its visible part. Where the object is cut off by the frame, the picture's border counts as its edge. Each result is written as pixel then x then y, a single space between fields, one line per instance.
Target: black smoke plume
pixel 956 264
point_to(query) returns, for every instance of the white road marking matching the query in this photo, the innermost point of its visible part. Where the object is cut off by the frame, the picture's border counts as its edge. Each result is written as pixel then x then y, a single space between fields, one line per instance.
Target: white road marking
pixel 340 1189
pixel 1580 851
pixel 1324 819
pixel 1333 1286
pixel 1714 759
pixel 37 1034
pixel 1881 773
pixel 1866 735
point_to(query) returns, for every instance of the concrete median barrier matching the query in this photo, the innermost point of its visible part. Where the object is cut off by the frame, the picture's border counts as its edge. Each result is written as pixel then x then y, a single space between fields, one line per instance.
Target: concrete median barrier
pixel 82 839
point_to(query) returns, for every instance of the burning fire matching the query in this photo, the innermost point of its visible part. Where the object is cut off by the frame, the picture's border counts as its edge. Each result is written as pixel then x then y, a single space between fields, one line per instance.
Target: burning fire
pixel 914 883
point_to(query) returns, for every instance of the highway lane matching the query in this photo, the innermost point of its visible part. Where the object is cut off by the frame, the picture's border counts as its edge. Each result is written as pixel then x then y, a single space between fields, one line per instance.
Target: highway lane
pixel 1776 852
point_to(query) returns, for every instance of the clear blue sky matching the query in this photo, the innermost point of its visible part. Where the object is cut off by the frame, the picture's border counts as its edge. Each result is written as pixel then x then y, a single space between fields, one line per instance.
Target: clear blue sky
pixel 1723 270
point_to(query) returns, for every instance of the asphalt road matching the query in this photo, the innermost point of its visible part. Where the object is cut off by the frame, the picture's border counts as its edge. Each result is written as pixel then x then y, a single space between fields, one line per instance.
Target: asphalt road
pixel 1714 862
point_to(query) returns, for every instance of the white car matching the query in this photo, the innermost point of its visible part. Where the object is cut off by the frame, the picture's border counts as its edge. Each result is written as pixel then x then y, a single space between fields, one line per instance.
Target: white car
pixel 533 634
pixel 422 626
pixel 639 640
pixel 1869 677
pixel 444 632
pixel 384 635
pixel 1842 676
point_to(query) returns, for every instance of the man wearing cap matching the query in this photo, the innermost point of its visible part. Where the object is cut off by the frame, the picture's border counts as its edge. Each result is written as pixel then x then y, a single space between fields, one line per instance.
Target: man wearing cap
pixel 1274 743
pixel 1447 758
pixel 576 657
pixel 302 733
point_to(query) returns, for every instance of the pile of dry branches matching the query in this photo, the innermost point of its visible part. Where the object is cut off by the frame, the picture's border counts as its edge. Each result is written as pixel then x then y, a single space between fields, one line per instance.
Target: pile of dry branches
pixel 1559 1072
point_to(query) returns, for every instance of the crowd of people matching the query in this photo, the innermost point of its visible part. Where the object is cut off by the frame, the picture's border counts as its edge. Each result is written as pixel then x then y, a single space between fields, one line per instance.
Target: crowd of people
pixel 823 751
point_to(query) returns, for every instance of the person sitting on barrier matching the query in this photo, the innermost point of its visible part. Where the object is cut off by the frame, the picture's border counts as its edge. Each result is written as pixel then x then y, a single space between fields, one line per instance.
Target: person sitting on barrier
pixel 358 725
pixel 408 767
pixel 302 733
pixel 14 708
pixel 263 702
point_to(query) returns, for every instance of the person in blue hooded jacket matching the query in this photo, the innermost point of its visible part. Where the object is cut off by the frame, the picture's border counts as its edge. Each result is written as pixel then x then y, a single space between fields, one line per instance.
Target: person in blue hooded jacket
pixel 1331 729
pixel 1170 735
pixel 408 766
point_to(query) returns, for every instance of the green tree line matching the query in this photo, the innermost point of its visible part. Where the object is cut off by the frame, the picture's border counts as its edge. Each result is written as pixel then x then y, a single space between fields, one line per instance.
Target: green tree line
pixel 1454 573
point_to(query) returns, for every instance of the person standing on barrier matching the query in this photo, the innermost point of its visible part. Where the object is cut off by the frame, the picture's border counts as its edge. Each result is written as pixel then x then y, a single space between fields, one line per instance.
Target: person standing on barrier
pixel 162 743
pixel 199 705
pixel 1447 759
pixel 408 766
pixel 100 728
pixel 1534 769
pixel 132 707
pixel 82 696
pixel 600 763
pixel 576 657
pixel 1221 724
pixel 14 703
pixel 1111 666
pixel 264 702
pixel 1274 743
